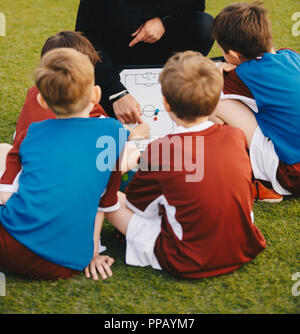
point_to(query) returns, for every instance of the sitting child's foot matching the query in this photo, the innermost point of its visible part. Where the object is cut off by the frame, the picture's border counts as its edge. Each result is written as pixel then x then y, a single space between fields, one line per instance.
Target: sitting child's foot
pixel 264 194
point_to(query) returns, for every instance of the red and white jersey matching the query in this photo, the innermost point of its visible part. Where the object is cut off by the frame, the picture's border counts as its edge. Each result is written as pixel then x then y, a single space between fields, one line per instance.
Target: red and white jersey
pixel 234 88
pixel 206 224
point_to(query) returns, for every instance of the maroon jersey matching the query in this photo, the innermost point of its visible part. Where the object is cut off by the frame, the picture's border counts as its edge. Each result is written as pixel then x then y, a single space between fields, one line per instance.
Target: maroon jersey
pixel 206 224
pixel 33 112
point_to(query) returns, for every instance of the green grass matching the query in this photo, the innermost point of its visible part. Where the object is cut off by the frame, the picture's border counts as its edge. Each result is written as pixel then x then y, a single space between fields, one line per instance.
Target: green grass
pixel 262 286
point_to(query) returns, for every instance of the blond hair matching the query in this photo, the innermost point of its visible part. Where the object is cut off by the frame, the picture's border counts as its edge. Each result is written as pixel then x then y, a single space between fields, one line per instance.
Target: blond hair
pixel 65 78
pixel 191 84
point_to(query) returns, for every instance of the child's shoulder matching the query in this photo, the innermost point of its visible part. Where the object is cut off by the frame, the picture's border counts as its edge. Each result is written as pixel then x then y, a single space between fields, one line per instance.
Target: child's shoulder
pixel 288 51
pixel 226 134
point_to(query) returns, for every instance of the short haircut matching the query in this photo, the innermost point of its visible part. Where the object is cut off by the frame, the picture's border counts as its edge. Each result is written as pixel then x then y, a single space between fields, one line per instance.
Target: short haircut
pixel 191 84
pixel 245 28
pixel 74 40
pixel 65 78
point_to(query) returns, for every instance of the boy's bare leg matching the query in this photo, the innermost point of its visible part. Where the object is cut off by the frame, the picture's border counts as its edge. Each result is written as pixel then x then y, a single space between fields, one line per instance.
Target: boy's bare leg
pixel 121 218
pixel 237 114
pixel 4 149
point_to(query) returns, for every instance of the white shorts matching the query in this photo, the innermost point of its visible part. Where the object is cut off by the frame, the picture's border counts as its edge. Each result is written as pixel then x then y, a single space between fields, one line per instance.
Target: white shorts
pixel 140 241
pixel 264 161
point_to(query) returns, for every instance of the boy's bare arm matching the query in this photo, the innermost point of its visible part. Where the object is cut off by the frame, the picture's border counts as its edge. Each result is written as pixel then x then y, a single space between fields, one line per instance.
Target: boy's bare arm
pixel 129 158
pixel 100 263
pixel 120 218
pixel 4 197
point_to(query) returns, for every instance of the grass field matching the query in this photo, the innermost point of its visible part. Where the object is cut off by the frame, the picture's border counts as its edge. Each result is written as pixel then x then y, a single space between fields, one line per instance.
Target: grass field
pixel 262 286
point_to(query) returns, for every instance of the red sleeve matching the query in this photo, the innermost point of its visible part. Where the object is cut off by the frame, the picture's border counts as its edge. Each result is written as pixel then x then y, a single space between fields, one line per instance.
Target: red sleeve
pixel 32 111
pixel 233 85
pixel 98 111
pixel 109 201
pixel 9 179
pixel 144 189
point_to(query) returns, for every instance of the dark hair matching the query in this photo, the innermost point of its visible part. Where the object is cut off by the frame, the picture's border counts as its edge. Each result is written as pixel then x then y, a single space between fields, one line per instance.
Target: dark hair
pixel 74 40
pixel 245 28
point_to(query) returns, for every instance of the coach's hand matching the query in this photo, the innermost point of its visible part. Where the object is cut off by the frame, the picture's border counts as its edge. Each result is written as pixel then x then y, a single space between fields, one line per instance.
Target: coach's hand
pixel 128 110
pixel 100 264
pixel 149 32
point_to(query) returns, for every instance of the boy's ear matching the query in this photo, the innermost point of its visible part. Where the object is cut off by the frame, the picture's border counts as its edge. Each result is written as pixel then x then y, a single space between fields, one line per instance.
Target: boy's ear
pixel 42 102
pixel 236 58
pixel 96 95
pixel 166 104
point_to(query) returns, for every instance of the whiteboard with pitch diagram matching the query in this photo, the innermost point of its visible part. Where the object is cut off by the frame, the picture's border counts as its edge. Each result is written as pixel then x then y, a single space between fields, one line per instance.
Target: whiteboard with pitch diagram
pixel 143 84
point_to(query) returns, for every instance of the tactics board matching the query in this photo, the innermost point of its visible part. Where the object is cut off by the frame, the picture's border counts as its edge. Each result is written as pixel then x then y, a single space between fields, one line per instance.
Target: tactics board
pixel 144 86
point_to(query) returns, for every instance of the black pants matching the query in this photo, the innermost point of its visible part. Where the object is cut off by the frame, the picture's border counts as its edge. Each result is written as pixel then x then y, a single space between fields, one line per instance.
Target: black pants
pixel 188 31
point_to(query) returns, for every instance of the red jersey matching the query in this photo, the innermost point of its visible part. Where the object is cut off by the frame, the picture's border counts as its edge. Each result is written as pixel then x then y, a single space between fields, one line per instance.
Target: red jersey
pixel 206 224
pixel 33 112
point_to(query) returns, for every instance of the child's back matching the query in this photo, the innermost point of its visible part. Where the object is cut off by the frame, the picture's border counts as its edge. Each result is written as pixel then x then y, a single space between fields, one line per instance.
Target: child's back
pixel 53 211
pixel 206 227
pixel 189 206
pixel 47 222
pixel 274 81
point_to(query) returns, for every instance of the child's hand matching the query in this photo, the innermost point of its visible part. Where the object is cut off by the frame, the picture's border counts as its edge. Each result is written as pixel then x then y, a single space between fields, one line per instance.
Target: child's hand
pixel 226 67
pixel 141 131
pixel 100 264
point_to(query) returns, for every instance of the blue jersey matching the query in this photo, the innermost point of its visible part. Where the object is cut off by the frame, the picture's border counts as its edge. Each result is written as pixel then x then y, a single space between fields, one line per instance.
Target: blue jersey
pixel 60 186
pixel 274 81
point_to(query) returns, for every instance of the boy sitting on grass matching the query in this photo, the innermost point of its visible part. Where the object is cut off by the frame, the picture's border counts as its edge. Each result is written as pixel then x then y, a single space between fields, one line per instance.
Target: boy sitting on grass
pixel 47 224
pixel 267 81
pixel 188 209
pixel 32 111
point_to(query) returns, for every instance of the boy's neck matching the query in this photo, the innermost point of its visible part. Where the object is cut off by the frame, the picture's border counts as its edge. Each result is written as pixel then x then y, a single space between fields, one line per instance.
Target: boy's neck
pixel 243 59
pixel 187 124
pixel 83 114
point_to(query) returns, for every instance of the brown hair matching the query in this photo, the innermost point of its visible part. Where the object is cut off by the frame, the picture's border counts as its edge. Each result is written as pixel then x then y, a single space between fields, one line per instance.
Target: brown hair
pixel 65 78
pixel 245 28
pixel 74 40
pixel 191 84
